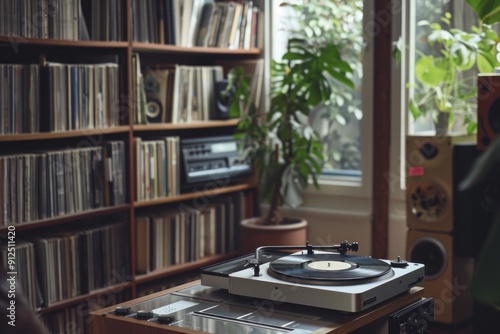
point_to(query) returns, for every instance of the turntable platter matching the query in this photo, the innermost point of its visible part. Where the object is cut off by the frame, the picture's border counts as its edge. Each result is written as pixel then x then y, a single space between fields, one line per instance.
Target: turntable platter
pixel 327 268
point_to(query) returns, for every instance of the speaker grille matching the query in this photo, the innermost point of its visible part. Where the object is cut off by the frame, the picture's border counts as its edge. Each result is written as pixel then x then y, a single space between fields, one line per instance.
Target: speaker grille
pixel 428 201
pixel 432 253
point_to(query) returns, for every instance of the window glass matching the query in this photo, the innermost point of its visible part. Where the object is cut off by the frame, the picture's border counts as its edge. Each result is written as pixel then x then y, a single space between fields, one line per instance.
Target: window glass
pixel 338 122
pixel 421 16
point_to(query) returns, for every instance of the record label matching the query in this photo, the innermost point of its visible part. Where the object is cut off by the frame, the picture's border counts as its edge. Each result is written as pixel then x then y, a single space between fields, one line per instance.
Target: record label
pixel 328 265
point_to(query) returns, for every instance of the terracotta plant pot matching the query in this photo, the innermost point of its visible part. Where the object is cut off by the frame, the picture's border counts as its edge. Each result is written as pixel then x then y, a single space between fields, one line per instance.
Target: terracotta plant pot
pixel 253 234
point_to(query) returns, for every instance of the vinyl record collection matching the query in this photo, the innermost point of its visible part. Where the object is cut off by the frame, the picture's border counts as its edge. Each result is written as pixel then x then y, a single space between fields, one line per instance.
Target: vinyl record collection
pixel 187 234
pixel 19 98
pixel 206 23
pixel 58 97
pixel 43 19
pixel 56 183
pixel 76 20
pixel 67 264
pixel 81 96
pixel 158 168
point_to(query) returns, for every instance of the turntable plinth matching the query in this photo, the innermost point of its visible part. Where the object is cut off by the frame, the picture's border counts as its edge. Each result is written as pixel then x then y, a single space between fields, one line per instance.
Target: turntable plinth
pixel 320 321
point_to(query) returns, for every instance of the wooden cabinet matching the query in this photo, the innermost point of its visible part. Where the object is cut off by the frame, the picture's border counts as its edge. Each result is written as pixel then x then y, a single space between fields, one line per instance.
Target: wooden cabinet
pixel 69 167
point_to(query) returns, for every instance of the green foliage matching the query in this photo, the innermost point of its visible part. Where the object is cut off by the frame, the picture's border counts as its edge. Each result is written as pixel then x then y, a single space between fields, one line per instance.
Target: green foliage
pixel 340 23
pixel 445 83
pixel 285 150
pixel 487 11
pixel 240 85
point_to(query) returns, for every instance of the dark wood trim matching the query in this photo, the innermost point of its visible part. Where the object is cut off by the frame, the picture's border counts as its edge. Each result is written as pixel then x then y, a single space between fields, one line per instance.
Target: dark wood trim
pixel 65 134
pixel 207 190
pixel 381 28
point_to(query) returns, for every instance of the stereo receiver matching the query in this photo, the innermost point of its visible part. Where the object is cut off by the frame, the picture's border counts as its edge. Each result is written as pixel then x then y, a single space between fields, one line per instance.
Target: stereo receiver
pixel 212 158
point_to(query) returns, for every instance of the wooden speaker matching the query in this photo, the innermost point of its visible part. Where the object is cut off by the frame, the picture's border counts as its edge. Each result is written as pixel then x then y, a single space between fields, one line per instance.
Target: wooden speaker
pixel 488 108
pixel 429 181
pixel 447 276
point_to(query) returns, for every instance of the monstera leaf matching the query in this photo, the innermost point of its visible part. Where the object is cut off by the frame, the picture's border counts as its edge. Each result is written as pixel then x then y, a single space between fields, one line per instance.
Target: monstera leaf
pixel 488 11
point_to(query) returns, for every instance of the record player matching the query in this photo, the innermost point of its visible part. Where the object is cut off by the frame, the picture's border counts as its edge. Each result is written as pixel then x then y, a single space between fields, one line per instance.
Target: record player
pixel 291 289
pixel 318 276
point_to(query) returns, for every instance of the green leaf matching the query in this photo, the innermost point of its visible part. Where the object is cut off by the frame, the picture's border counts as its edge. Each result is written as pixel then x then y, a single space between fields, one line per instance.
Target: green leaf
pixel 431 72
pixel 341 77
pixel 294 56
pixel 414 110
pixel 484 63
pixel 435 26
pixel 462 56
pixel 440 36
pixel 471 128
pixel 488 11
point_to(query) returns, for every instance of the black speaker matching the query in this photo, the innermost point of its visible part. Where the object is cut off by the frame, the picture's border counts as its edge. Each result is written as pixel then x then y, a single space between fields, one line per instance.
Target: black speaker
pixel 473 209
pixel 221 109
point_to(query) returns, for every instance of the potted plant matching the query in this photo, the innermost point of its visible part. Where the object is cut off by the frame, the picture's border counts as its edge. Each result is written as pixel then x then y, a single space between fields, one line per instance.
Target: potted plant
pixel 284 149
pixel 445 83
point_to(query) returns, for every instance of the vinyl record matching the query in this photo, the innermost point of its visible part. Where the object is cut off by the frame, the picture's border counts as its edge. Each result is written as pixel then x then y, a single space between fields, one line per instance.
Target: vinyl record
pixel 327 268
pixel 154 112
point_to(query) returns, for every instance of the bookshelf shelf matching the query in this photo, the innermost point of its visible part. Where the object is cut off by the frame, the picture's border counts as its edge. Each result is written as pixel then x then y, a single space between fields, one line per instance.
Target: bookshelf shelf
pixel 209 192
pixel 174 49
pixel 62 135
pixel 185 126
pixel 88 297
pixel 46 42
pixel 39 224
pixel 176 269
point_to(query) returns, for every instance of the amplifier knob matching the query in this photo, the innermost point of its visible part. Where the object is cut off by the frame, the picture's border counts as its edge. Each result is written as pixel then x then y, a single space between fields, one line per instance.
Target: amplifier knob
pixel 165 319
pixel 123 311
pixel 144 315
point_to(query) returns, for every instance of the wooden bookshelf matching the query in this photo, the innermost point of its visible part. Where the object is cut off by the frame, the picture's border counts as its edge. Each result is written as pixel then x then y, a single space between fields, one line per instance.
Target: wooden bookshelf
pixel 39 224
pixel 17 49
pixel 46 42
pixel 194 50
pixel 206 193
pixel 185 126
pixel 64 134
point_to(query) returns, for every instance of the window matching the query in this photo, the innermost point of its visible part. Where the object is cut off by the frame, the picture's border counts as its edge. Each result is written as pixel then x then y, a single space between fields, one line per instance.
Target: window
pixel 420 15
pixel 339 123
